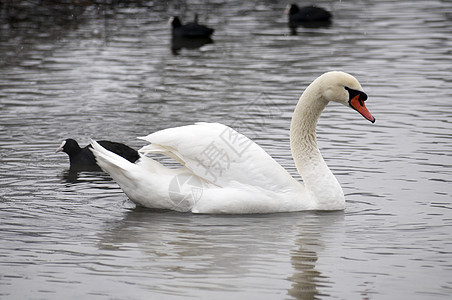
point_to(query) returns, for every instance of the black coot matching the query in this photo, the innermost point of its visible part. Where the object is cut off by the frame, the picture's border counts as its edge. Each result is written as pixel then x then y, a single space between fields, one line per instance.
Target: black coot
pixel 307 14
pixel 190 30
pixel 83 158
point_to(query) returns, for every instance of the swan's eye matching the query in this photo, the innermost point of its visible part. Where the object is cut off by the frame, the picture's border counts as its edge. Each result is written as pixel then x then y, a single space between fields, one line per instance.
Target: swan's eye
pixel 353 93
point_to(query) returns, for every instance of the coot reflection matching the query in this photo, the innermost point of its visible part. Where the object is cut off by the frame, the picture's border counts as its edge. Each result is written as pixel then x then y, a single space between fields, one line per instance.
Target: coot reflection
pixel 178 43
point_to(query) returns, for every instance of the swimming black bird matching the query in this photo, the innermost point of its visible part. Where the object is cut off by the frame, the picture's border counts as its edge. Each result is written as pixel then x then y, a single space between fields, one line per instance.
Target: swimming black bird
pixel 83 158
pixel 307 14
pixel 190 30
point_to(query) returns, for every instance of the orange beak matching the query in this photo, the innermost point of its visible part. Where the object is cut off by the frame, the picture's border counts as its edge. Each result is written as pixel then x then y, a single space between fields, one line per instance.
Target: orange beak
pixel 357 104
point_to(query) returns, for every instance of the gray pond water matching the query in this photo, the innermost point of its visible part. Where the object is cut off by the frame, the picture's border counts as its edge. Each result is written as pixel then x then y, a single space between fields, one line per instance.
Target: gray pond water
pixel 108 72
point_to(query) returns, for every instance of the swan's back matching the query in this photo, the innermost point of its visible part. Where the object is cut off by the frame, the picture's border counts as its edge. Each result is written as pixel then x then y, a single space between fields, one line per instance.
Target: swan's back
pixel 220 155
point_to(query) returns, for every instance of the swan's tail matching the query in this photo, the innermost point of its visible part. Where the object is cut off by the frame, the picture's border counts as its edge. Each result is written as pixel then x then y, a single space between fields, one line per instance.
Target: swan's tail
pixel 147 182
pixel 124 172
pixel 109 162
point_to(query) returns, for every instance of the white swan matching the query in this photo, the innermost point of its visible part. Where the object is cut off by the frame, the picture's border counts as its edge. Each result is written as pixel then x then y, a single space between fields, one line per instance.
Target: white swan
pixel 225 172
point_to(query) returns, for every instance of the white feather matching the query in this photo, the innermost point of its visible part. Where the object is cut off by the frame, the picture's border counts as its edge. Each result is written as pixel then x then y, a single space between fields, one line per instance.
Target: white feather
pixel 225 172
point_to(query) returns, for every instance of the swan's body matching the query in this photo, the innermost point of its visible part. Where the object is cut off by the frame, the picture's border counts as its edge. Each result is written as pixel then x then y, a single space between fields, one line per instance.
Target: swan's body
pixel 225 172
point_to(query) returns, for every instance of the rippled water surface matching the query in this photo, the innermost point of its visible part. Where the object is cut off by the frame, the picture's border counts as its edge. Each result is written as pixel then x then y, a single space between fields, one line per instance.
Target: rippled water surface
pixel 110 73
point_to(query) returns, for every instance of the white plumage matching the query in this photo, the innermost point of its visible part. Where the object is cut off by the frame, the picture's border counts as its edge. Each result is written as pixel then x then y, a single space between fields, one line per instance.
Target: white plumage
pixel 225 172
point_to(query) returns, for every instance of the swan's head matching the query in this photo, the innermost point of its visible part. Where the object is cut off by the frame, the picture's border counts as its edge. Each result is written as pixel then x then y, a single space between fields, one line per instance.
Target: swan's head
pixel 345 89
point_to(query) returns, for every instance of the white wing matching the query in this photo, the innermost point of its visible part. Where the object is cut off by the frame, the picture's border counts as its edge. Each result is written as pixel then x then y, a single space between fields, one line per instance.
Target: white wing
pixel 220 155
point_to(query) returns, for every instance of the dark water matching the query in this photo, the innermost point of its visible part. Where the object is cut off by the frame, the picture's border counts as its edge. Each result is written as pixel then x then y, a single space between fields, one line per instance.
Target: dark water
pixel 110 73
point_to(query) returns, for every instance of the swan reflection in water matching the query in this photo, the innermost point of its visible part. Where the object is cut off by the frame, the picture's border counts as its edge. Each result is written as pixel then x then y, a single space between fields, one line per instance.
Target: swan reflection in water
pixel 193 254
pixel 178 43
pixel 315 232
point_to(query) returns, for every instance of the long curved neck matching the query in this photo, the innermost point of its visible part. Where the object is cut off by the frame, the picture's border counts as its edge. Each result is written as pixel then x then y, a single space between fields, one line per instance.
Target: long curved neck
pixel 317 177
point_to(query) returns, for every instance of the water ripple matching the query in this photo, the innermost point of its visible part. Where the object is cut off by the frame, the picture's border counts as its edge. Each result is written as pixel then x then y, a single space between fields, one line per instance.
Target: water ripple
pixel 110 74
